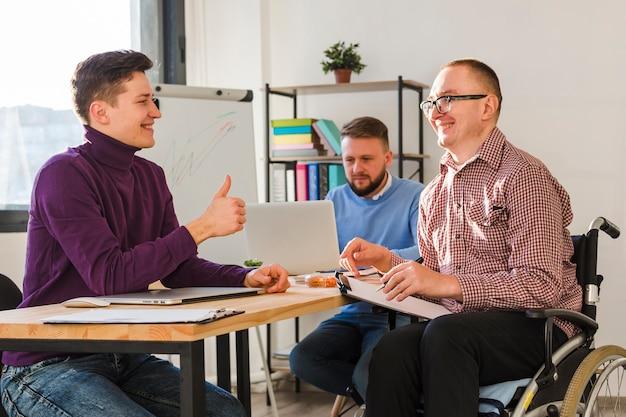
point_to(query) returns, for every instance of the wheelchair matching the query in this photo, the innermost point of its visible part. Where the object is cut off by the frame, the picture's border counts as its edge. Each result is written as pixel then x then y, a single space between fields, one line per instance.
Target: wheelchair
pixel 577 379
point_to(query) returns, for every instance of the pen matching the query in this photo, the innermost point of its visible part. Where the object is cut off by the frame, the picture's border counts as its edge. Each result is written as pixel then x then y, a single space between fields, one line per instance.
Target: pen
pixel 419 260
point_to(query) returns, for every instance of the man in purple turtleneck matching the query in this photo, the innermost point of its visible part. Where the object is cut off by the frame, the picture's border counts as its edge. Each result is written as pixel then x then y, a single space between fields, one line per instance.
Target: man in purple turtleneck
pixel 102 222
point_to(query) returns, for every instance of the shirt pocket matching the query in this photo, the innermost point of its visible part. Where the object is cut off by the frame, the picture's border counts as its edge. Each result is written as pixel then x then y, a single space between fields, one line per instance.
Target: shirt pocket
pixel 488 227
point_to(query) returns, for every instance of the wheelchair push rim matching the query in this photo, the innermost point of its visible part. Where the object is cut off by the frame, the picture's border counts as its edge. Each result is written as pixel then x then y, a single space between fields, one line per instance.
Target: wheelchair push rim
pixel 601 374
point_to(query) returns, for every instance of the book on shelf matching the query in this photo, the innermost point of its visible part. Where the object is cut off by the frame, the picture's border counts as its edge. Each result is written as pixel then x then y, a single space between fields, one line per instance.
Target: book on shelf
pixel 298 138
pixel 291 130
pixel 322 174
pixel 313 171
pixel 329 131
pixel 336 176
pixel 301 181
pixel 287 153
pixel 290 181
pixel 324 141
pixel 292 122
pixel 279 179
pixel 302 192
pixel 278 147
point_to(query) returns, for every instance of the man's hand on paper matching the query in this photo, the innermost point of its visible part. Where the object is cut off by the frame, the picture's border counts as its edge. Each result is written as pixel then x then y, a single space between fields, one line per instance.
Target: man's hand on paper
pixel 224 216
pixel 273 278
pixel 413 278
pixel 360 252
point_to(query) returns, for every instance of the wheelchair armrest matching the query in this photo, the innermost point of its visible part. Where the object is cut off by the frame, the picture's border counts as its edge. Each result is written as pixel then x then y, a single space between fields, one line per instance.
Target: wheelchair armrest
pixel 588 325
pixel 549 374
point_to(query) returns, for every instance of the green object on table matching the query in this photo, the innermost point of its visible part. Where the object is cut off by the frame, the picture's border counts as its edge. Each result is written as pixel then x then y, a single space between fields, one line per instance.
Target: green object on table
pixel 252 262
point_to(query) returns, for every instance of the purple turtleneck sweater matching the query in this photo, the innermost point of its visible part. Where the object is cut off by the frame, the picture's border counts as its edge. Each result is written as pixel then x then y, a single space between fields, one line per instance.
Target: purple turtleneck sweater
pixel 102 222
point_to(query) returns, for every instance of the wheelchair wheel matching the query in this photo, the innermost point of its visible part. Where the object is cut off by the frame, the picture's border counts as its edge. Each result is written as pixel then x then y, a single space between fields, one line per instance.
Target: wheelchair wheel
pixel 597 385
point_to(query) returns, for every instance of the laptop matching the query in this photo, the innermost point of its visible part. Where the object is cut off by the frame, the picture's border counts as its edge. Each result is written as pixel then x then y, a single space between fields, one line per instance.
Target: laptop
pixel 180 295
pixel 301 236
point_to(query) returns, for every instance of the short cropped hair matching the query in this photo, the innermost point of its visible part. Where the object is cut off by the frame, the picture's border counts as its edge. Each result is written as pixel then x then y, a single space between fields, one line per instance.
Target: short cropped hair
pixel 484 72
pixel 366 127
pixel 100 77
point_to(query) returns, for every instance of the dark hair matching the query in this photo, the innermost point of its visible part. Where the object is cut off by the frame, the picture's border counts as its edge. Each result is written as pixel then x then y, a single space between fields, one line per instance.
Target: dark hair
pixel 100 77
pixel 487 75
pixel 366 127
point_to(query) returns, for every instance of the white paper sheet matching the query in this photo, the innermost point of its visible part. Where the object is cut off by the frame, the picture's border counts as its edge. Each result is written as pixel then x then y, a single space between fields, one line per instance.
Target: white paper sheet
pixel 141 315
pixel 410 305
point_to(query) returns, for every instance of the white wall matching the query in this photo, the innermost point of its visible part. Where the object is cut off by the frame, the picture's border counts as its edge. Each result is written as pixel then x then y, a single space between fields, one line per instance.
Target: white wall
pixel 561 66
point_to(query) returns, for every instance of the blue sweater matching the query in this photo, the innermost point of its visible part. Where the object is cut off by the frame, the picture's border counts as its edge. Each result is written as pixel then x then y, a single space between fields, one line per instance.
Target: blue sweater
pixel 390 221
pixel 102 222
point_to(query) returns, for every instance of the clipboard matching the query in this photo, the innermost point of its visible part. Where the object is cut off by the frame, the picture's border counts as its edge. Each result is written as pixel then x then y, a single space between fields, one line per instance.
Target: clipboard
pixel 367 291
pixel 142 316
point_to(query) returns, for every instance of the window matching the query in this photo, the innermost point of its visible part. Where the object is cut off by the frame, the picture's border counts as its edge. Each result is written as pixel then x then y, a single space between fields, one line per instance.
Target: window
pixel 42 41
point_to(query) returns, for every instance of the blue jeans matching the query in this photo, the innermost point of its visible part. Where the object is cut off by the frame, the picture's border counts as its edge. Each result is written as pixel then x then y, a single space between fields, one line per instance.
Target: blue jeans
pixel 337 353
pixel 100 385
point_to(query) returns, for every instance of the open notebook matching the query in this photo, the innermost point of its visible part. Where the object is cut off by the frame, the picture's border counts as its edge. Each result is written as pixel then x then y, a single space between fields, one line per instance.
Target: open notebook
pixel 143 315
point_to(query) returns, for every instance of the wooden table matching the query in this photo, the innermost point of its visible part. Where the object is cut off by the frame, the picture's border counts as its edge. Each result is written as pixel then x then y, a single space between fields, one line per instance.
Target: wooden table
pixel 23 330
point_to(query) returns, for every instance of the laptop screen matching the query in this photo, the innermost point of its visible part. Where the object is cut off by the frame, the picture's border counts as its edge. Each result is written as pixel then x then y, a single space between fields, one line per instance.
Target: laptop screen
pixel 301 236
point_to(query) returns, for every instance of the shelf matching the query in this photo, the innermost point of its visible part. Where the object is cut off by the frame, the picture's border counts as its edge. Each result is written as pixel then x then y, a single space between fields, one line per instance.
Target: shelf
pixel 407 156
pixel 348 87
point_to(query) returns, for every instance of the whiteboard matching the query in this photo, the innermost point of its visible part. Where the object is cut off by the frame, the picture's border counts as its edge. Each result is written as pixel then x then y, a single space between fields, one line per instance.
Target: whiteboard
pixel 200 137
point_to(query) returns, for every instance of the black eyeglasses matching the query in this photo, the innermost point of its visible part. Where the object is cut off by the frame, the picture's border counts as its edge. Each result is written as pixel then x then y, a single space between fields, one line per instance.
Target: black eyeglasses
pixel 444 103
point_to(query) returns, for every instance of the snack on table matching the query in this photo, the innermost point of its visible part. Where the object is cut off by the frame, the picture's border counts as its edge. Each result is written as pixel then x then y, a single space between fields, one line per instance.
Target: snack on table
pixel 320 281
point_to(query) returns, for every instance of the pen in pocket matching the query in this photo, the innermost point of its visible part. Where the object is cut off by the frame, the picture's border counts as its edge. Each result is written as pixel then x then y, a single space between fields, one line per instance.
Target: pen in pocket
pixel 419 260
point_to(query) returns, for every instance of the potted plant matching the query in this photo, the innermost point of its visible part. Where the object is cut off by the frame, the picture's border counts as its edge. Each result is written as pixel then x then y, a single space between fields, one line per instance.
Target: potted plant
pixel 342 60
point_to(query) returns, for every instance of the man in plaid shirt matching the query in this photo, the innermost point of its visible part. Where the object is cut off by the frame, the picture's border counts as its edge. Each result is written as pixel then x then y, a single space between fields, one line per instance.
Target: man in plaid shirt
pixel 493 233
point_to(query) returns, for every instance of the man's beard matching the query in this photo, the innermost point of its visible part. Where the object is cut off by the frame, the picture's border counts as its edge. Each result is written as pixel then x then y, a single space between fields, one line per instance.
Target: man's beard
pixel 370 188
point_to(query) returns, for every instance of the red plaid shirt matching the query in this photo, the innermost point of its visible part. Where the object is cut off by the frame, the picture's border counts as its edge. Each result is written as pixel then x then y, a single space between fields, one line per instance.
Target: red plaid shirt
pixel 499 224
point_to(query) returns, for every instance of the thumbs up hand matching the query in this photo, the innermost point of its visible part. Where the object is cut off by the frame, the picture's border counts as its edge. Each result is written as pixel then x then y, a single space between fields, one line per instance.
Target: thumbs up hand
pixel 224 216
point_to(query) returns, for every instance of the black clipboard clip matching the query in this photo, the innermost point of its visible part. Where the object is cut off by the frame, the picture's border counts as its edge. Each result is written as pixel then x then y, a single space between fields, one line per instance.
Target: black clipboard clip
pixel 342 282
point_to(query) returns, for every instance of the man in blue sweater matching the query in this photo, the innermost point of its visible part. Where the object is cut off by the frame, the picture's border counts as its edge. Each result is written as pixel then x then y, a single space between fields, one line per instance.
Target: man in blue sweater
pixel 102 222
pixel 380 208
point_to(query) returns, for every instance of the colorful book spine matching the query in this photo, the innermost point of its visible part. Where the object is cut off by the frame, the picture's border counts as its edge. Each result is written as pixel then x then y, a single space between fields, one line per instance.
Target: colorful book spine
pixel 290 181
pixel 292 122
pixel 278 147
pixel 279 187
pixel 323 180
pixel 329 148
pixel 291 130
pixel 314 185
pixel 302 192
pixel 288 153
pixel 295 138
pixel 336 176
pixel 329 130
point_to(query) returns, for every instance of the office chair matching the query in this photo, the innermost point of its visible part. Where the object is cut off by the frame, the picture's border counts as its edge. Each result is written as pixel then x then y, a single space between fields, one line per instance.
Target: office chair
pixel 10 298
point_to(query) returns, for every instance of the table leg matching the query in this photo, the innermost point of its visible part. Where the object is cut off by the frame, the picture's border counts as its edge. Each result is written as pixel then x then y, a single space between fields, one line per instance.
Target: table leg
pixel 243 370
pixel 192 392
pixel 222 346
pixel 297 329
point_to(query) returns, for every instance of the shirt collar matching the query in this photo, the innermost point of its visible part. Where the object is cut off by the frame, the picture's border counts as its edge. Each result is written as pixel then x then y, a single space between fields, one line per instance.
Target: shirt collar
pixel 490 152
pixel 384 189
pixel 109 151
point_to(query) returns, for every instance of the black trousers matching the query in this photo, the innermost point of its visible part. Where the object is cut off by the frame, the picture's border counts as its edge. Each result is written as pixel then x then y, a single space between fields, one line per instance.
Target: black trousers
pixel 445 360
